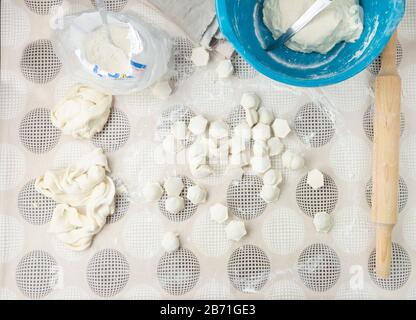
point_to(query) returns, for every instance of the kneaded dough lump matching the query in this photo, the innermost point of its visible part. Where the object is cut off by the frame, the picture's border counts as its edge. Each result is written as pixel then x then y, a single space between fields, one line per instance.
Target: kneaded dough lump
pixel 85 196
pixel 340 21
pixel 83 113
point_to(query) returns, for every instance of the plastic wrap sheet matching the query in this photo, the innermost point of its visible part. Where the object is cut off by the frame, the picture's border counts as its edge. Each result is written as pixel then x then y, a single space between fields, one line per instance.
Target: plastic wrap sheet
pixel 283 257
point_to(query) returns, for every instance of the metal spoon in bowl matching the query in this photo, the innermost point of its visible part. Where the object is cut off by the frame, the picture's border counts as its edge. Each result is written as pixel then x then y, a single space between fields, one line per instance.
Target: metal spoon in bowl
pixel 302 22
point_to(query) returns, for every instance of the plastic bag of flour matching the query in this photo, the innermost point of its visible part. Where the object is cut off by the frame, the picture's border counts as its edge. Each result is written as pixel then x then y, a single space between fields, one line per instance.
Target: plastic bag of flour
pixel 127 56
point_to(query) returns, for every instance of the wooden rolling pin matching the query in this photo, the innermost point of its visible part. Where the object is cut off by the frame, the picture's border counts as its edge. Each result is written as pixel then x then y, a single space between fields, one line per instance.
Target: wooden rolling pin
pixel 386 155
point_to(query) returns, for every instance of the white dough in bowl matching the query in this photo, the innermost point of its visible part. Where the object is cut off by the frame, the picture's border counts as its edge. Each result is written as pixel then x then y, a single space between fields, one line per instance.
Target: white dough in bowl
pixel 340 21
pixel 83 113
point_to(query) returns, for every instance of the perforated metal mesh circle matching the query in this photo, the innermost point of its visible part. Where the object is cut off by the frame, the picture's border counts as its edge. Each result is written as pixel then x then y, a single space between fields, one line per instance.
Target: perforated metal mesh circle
pixel 39 62
pixel 352 229
pixel 209 236
pixel 213 290
pixel 12 238
pixel 408 80
pixel 7 294
pixel 346 292
pixel 115 133
pixel 13 95
pixel 401 268
pixel 112 5
pixel 36 131
pixel 283 231
pixel 351 95
pixel 285 290
pixel 319 267
pixel 12 166
pixel 37 274
pixel 408 156
pixel 169 117
pixel 178 271
pixel 314 125
pixel 234 118
pixel 122 201
pixel 183 65
pixel 142 234
pixel 375 66
pixel 409 227
pixel 33 206
pixel 210 96
pixel 143 292
pixel 312 201
pixel 189 209
pixel 407 26
pixel 350 158
pixel 403 194
pixel 242 69
pixel 14 25
pixel 71 293
pixel 248 268
pixel 368 122
pixel 42 7
pixel 243 197
pixel 108 272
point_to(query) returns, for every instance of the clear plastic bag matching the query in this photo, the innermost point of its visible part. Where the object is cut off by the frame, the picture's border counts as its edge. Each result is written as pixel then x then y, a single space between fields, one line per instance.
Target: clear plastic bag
pixel 147 52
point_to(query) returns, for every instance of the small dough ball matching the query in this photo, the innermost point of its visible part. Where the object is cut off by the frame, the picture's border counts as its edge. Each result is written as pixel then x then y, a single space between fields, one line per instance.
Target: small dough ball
pixel 266 116
pixel 162 89
pixel 173 186
pixel 152 192
pixel 218 212
pixel 252 117
pixel 315 179
pixel 200 56
pixel 276 147
pixel 225 69
pixel 174 204
pixel 269 193
pixel 170 241
pixel 201 171
pixel 218 130
pixel 179 130
pixel 197 125
pixel 281 128
pixel 250 100
pixel 260 164
pixel 292 160
pixel 261 132
pixel 196 194
pixel 235 230
pixel 243 130
pixel 297 162
pixel 260 148
pixel 273 177
pixel 322 222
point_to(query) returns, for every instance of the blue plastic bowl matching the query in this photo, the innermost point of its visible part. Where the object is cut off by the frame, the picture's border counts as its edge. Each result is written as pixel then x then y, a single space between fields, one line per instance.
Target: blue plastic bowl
pixel 239 20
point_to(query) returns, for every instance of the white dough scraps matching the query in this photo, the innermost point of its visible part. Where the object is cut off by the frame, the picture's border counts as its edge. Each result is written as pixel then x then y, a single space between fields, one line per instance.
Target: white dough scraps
pixel 322 222
pixel 235 230
pixel 315 179
pixel 152 192
pixel 218 212
pixel 225 69
pixel 200 56
pixel 85 196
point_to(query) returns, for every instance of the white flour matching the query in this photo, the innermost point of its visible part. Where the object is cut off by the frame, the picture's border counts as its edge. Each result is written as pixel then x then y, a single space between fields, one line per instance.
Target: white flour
pixel 113 58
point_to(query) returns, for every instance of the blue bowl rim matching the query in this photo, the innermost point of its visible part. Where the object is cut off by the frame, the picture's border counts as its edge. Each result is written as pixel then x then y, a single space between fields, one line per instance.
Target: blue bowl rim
pixel 226 29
